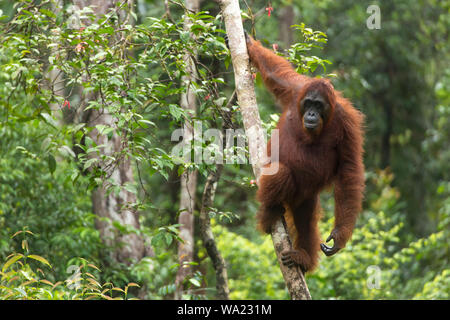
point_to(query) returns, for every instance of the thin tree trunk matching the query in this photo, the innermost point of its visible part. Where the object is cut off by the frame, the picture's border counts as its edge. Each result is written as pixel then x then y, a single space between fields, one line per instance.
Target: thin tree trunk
pixel 55 76
pixel 209 242
pixel 111 207
pixel 206 232
pixel 247 102
pixel 286 21
pixel 56 85
pixel 188 178
pixel 186 221
pixel 386 137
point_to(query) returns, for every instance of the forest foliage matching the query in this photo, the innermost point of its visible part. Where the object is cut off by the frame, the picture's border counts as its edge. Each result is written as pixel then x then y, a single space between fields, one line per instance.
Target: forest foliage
pixel 50 247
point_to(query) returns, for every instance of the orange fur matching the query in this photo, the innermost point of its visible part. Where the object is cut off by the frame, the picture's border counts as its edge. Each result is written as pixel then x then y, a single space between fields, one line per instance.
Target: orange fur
pixel 309 163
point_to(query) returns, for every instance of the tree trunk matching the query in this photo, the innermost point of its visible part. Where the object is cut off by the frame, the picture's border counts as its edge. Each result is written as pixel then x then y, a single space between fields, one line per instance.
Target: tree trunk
pixel 286 21
pixel 247 102
pixel 208 236
pixel 206 232
pixel 188 178
pixel 55 76
pixel 386 137
pixel 111 207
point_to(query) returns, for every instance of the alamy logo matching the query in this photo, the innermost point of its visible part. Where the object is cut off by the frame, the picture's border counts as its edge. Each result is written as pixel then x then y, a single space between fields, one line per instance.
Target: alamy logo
pixel 212 146
pixel 374 20
pixel 374 277
pixel 74 281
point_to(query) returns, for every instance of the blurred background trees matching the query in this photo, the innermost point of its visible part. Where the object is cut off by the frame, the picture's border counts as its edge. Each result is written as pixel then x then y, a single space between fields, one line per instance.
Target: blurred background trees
pixel 128 66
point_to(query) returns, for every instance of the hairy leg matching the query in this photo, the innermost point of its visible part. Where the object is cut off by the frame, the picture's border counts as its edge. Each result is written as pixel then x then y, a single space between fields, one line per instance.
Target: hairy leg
pixel 307 242
pixel 273 191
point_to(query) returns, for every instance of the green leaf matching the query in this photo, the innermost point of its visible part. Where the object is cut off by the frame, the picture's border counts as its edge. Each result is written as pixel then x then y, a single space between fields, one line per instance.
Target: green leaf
pixel 181 169
pixel 11 261
pixel 51 163
pixel 168 238
pixel 184 36
pixel 88 163
pixel 47 13
pixel 175 111
pixel 195 282
pixel 40 259
pixel 130 188
pixel 146 123
pixel 227 61
pixel 66 151
pixel 156 240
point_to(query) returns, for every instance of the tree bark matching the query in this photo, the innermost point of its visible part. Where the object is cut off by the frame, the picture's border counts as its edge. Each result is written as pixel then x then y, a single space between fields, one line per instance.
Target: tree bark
pixel 109 206
pixel 188 178
pixel 209 242
pixel 247 102
pixel 55 76
pixel 286 21
pixel 206 232
pixel 386 137
pixel 113 207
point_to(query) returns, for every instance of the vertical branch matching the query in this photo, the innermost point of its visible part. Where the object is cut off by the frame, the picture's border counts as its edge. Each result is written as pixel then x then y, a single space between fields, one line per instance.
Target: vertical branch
pixel 209 242
pixel 208 236
pixel 293 277
pixel 55 75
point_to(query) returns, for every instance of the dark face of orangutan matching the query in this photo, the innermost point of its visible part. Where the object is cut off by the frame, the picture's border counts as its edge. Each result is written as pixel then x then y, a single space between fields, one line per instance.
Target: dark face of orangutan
pixel 314 111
